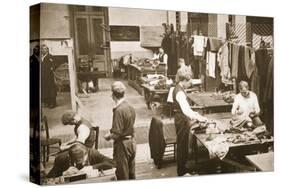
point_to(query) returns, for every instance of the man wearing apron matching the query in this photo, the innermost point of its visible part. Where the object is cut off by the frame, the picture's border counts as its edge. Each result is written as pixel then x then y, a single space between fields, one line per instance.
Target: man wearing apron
pixel 122 133
pixel 184 116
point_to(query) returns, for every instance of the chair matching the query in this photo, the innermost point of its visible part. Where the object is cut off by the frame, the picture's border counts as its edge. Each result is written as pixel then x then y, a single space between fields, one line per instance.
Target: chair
pixel 96 135
pixel 48 143
pixel 161 144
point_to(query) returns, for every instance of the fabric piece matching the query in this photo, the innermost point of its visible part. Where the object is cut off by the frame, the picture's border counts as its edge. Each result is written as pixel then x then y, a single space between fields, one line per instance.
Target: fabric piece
pixel 255 83
pixel 214 44
pixel 234 60
pixel 242 75
pixel 170 95
pixel 211 64
pixel 224 64
pixel 268 95
pixel 250 61
pixel 199 45
pixel 217 147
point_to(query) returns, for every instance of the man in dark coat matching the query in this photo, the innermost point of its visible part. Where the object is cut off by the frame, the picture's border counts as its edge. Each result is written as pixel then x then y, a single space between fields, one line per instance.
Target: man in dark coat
pixel 77 157
pixel 122 132
pixel 48 86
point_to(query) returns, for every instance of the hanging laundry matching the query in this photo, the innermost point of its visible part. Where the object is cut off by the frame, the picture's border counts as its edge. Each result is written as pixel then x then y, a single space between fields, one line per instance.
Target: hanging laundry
pixel 234 60
pixel 250 61
pixel 241 65
pixel 199 44
pixel 211 64
pixel 214 44
pixel 224 65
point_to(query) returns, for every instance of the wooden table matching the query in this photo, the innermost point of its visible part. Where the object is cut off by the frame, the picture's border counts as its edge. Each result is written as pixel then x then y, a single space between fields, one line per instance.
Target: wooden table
pixel 241 149
pixel 150 92
pixel 209 102
pixel 263 162
pixel 135 72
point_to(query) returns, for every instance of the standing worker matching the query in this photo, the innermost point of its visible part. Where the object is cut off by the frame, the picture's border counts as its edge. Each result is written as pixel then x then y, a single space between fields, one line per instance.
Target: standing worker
pixel 184 116
pixel 122 133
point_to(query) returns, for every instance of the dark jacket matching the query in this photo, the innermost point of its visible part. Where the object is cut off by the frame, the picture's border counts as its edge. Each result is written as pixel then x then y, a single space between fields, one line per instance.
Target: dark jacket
pixel 96 159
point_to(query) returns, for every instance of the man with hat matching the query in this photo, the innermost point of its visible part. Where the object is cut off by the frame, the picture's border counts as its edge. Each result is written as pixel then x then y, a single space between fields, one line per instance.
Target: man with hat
pixel 184 118
pixel 122 133
pixel 76 158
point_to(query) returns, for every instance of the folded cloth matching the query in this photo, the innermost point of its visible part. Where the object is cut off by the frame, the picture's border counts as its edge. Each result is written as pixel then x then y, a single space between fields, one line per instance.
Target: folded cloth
pixel 218 147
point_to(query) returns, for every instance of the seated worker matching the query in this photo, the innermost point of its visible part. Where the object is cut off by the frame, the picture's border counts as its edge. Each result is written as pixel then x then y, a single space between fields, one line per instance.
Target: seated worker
pixel 82 130
pixel 246 106
pixel 182 65
pixel 76 158
pixel 184 118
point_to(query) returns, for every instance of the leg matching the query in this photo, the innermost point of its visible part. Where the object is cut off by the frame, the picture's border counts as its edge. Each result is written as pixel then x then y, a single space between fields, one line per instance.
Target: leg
pixel 122 167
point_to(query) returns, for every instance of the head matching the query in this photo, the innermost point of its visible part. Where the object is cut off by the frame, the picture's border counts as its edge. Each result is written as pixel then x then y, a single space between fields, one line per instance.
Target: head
pixel 71 118
pixel 44 49
pixel 78 154
pixel 161 50
pixel 244 89
pixel 184 78
pixel 36 50
pixel 118 90
pixel 181 62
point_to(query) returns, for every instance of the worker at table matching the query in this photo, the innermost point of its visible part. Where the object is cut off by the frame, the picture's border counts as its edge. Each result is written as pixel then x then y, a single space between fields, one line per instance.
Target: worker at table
pixel 184 118
pixel 245 108
pixel 162 57
pixel 184 67
pixel 122 133
pixel 76 158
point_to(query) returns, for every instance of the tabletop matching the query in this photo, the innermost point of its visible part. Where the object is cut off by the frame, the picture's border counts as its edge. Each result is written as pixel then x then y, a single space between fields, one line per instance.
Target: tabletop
pixel 263 161
pixel 208 99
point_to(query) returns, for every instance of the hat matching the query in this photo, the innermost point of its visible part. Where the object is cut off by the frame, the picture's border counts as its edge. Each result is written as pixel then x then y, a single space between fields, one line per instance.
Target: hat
pixel 183 74
pixel 118 87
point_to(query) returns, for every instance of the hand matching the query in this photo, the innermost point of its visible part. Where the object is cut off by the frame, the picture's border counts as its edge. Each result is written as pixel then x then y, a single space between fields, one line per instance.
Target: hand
pixel 252 114
pixel 70 171
pixel 107 136
pixel 202 119
pixel 63 146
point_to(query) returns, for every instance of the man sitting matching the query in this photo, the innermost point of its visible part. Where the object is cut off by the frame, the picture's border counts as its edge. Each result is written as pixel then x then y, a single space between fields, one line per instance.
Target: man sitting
pixel 183 67
pixel 246 107
pixel 78 157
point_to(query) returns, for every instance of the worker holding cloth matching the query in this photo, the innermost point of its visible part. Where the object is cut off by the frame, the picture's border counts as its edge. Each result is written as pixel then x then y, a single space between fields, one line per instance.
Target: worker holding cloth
pixel 122 133
pixel 184 118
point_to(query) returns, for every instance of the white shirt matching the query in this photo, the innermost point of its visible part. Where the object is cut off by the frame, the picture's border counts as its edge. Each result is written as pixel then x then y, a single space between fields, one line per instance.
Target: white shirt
pixel 186 109
pixel 165 58
pixel 245 105
pixel 83 133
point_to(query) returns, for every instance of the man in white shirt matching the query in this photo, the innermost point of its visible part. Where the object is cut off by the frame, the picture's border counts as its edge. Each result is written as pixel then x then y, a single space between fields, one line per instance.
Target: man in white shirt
pixel 184 116
pixel 162 57
pixel 246 106
pixel 186 68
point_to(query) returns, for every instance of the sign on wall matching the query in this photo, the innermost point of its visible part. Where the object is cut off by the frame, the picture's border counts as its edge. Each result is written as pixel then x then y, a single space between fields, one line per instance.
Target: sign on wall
pixel 124 33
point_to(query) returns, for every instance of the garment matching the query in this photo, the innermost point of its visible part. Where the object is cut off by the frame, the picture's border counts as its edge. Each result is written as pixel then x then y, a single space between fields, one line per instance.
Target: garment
pixel 246 105
pixel 48 86
pixel 34 81
pixel 186 69
pixel 213 44
pixel 156 141
pixel 124 150
pixel 85 134
pixel 96 159
pixel 234 60
pixel 199 44
pixel 250 61
pixel 242 75
pixel 224 64
pixel 211 64
pixel 183 122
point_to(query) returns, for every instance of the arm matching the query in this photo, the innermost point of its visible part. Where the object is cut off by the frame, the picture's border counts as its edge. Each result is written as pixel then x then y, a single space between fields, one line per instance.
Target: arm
pixel 83 133
pixel 185 107
pixel 256 105
pixel 101 162
pixel 117 126
pixel 165 59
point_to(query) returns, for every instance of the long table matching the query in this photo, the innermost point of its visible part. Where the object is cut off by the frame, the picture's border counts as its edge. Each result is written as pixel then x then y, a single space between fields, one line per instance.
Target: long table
pixel 242 148
pixel 209 102
pixel 262 162
pixel 135 72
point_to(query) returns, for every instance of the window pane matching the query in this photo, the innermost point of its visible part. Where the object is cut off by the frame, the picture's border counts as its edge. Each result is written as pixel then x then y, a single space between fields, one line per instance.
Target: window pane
pixel 82 35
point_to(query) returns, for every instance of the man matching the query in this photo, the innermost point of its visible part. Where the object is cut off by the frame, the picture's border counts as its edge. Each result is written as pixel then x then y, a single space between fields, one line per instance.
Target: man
pixel 76 158
pixel 83 130
pixel 182 66
pixel 122 133
pixel 162 57
pixel 184 118
pixel 48 86
pixel 246 106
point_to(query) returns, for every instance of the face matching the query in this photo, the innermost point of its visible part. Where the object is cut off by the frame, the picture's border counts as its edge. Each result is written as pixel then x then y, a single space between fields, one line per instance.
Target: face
pixel 36 50
pixel 244 92
pixel 76 119
pixel 44 50
pixel 186 84
pixel 161 50
pixel 80 158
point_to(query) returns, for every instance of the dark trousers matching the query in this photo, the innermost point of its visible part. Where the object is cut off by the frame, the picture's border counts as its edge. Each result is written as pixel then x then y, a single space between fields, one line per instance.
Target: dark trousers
pixel 182 125
pixel 124 154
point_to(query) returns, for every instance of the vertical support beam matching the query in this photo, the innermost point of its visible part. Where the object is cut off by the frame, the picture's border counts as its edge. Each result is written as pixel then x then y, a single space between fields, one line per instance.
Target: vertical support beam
pixel 222 19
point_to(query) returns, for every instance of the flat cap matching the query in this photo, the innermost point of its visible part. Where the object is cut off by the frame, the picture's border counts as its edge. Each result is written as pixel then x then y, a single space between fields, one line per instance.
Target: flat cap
pixel 118 87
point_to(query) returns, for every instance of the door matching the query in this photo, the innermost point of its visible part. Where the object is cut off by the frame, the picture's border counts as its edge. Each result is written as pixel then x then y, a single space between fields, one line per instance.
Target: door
pixel 91 40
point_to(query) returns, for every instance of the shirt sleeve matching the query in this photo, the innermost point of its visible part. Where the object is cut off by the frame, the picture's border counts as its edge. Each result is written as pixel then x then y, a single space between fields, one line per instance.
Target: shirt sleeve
pixel 165 59
pixel 234 105
pixel 83 133
pixel 185 107
pixel 256 104
pixel 117 124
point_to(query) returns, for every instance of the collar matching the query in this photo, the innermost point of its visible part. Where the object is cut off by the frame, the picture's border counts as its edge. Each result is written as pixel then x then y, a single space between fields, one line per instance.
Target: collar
pixel 119 102
pixel 43 56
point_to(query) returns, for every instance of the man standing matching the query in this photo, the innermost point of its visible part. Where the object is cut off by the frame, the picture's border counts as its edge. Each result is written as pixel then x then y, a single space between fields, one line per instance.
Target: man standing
pixel 122 133
pixel 184 118
pixel 48 86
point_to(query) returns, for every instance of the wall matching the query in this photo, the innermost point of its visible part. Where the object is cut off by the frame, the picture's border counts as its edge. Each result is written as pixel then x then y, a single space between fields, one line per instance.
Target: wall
pixel 222 19
pixel 135 17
